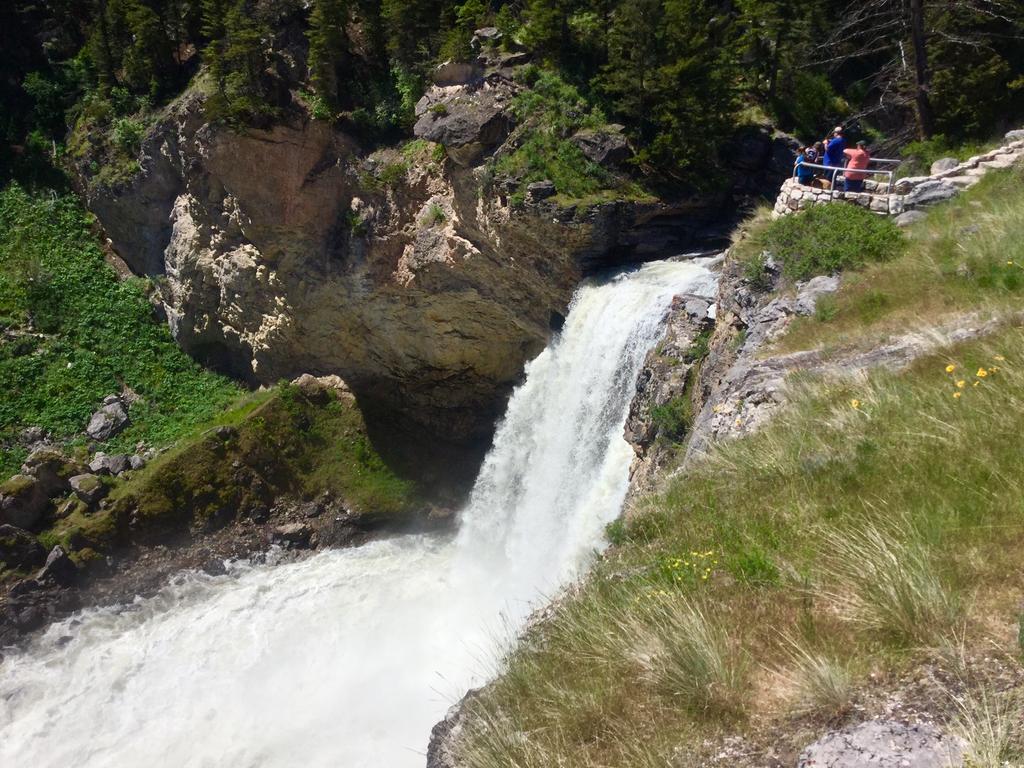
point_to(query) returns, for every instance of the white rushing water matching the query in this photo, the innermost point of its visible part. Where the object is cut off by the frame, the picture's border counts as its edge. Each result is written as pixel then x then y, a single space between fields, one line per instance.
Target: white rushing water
pixel 346 659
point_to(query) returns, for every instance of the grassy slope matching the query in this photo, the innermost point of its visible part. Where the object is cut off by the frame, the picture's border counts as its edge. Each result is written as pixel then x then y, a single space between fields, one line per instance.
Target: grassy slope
pixel 74 333
pixel 765 592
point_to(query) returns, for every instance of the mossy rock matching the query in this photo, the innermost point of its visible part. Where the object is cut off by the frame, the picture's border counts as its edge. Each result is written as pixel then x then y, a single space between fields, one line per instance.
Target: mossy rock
pixel 289 444
pixel 22 501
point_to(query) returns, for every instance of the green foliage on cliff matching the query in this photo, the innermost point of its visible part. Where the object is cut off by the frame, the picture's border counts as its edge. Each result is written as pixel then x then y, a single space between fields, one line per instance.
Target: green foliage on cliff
pixel 73 333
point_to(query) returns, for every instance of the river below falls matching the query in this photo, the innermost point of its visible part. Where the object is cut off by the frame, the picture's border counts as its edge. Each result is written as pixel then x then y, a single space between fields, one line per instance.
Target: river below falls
pixel 347 658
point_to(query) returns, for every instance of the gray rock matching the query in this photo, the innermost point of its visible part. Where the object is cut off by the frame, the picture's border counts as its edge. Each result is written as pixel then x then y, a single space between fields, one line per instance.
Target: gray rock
pixel 108 420
pixel 467 124
pixel 22 501
pixel 808 294
pixel 697 308
pixel 52 469
pixel 1015 135
pixel 603 147
pixel 931 192
pixel 135 461
pixel 19 548
pixel 456 73
pixel 910 217
pixel 943 164
pixel 884 744
pixel 485 35
pixel 295 534
pixel 111 399
pixel 89 488
pixel 540 190
pixel 113 464
pixel 59 568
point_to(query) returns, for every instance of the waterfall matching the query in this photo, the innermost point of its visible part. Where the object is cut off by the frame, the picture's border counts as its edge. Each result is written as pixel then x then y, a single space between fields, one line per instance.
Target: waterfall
pixel 347 658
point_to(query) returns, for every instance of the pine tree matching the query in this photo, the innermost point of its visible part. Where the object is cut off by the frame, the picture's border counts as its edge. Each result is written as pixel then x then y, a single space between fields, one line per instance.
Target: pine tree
pixel 329 49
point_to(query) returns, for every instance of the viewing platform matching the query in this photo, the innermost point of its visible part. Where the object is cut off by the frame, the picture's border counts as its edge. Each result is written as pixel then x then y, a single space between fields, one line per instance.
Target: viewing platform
pixel 887 195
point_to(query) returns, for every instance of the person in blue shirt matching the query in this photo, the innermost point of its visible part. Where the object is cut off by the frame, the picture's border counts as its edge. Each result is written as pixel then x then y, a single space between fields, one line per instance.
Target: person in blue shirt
pixel 834 157
pixel 805 175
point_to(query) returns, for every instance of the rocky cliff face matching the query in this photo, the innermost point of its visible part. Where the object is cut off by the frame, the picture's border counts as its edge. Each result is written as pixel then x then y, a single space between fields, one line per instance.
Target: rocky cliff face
pixel 410 274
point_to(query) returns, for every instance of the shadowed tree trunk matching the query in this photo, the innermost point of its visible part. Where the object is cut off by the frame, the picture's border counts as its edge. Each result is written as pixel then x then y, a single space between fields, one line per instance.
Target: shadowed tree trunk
pixel 925 122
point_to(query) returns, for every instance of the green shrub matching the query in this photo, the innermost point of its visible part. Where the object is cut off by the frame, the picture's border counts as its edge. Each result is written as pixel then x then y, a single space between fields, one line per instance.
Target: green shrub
pixel 829 238
pixel 393 174
pixel 128 135
pixel 673 419
pixel 434 215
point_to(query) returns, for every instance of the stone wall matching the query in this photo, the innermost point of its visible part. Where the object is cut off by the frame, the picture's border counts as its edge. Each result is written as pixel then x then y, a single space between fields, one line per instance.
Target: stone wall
pixel 795 196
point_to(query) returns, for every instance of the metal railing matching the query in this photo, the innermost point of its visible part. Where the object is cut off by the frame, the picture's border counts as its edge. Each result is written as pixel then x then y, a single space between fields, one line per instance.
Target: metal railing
pixel 833 172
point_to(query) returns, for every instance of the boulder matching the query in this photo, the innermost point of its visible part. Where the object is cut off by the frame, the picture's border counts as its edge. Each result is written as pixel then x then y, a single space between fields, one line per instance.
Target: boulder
pixel 485 36
pixel 604 147
pixel 910 217
pixel 112 464
pixel 319 388
pixel 943 164
pixel 1015 135
pixel 89 488
pixel 108 420
pixel 750 148
pixel 19 548
pixel 540 190
pixel 294 534
pixel 22 501
pixel 931 192
pixel 466 123
pixel 59 569
pixel 135 461
pixel 884 744
pixel 451 73
pixel 808 294
pixel 52 469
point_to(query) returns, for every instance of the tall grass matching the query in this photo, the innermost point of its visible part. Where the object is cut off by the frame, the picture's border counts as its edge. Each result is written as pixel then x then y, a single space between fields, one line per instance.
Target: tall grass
pixel 990 724
pixel 816 682
pixel 883 578
pixel 688 655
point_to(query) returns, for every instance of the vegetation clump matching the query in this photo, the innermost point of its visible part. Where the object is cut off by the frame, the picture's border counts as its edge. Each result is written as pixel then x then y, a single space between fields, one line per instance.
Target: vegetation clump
pixel 831 238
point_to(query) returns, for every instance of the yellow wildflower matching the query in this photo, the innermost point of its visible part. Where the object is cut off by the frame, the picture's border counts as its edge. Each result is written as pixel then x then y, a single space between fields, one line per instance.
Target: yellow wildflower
pixel 961 384
pixel 956 395
pixel 950 368
pixel 855 403
pixel 982 373
pixel 977 383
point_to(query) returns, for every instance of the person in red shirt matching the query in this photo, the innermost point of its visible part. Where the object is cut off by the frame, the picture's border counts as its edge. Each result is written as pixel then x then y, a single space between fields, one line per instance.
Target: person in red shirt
pixel 856 160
